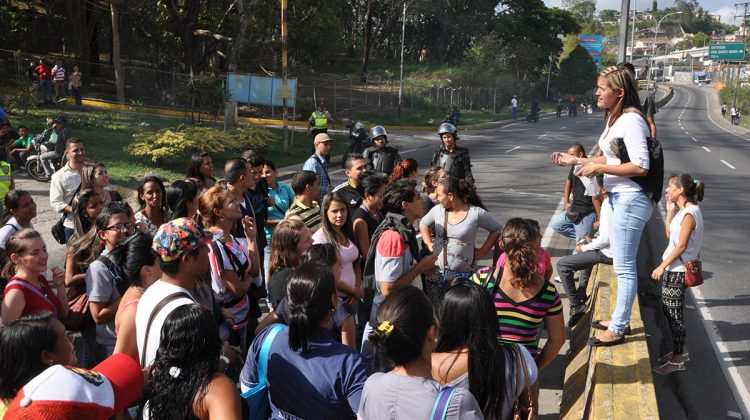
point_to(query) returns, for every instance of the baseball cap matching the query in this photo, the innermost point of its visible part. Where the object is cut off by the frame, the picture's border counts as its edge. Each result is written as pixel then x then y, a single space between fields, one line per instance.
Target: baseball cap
pixel 67 392
pixel 322 138
pixel 177 237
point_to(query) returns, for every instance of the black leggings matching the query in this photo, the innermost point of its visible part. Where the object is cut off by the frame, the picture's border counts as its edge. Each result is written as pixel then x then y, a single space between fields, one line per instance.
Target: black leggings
pixel 673 300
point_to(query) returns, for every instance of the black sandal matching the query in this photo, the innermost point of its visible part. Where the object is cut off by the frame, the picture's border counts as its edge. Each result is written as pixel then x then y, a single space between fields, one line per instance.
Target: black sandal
pixel 596 342
pixel 599 326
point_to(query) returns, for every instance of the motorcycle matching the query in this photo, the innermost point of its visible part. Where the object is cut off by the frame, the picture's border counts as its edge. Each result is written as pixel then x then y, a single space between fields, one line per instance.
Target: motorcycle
pixel 587 109
pixel 34 166
pixel 358 139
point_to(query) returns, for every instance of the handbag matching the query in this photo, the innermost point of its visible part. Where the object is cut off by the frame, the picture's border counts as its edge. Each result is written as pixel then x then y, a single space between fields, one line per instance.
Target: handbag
pixel 58 229
pixel 79 315
pixel 693 272
pixel 523 410
pixel 573 216
pixel 256 398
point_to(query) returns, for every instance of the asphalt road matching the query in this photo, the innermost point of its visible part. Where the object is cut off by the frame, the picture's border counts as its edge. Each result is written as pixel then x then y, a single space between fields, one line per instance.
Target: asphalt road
pixel 515 179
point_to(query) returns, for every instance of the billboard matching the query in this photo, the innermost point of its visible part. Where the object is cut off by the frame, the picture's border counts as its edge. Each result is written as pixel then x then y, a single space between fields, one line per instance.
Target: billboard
pixel 260 90
pixel 592 44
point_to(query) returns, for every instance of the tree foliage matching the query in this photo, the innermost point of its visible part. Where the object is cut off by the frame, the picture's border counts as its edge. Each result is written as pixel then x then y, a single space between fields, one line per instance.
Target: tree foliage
pixel 577 72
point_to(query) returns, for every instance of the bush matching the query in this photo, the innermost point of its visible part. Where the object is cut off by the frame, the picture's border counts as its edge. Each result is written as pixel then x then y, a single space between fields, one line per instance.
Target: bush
pixel 177 144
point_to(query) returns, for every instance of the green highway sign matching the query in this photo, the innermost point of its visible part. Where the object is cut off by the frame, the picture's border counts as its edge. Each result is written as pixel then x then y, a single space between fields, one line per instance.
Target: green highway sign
pixel 734 51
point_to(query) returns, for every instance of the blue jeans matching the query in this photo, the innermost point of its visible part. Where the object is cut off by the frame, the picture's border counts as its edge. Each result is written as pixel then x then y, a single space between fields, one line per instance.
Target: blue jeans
pixel 631 211
pixel 513 112
pixel 574 231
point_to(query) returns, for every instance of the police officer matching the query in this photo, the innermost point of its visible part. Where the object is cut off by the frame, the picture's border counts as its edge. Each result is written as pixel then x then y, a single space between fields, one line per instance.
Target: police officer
pixel 453 159
pixel 319 121
pixel 380 157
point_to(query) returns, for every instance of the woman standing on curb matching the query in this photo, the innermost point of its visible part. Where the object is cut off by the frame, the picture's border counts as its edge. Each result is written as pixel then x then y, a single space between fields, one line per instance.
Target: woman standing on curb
pixel 685 233
pixel 618 96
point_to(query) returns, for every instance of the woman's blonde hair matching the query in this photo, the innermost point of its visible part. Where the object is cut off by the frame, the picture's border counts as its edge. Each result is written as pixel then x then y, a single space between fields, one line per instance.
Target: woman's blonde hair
pixel 620 77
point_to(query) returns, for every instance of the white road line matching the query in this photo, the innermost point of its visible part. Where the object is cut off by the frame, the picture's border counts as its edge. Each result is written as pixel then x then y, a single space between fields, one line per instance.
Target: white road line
pixel 563 127
pixel 694 139
pixel 727 163
pixel 708 113
pixel 687 133
pixel 512 149
pixel 543 135
pixel 578 122
pixel 707 149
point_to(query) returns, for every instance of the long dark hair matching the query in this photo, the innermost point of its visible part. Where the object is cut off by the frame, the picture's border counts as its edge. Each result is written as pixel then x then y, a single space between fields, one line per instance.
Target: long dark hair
pixel 310 291
pixel 194 167
pixel 463 189
pixel 81 223
pixel 132 255
pixel 21 345
pixel 410 314
pixel 468 321
pixel 185 362
pixel 179 194
pixel 327 226
pixel 12 202
pixel 90 242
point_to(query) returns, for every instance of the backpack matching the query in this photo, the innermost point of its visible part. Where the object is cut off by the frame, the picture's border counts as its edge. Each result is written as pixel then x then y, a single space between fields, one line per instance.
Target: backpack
pixel 121 283
pixel 653 181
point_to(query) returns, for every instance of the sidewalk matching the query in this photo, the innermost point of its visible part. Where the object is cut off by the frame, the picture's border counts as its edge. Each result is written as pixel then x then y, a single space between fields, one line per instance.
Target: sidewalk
pixel 714 109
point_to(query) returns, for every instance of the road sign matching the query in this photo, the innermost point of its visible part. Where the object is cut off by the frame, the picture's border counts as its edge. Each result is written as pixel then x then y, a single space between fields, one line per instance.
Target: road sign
pixel 735 51
pixel 593 44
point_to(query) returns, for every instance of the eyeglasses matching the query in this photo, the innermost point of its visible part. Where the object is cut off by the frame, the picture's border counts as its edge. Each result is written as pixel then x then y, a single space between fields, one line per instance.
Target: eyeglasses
pixel 121 226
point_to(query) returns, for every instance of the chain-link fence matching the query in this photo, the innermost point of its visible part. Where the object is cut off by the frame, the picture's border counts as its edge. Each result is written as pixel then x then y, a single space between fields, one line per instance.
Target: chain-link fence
pixel 343 96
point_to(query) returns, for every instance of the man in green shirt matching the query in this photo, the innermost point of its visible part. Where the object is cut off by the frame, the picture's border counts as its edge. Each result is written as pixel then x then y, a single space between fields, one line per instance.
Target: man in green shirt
pixel 20 149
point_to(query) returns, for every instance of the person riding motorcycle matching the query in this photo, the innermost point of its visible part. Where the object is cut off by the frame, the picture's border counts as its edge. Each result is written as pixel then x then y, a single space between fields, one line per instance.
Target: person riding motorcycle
pixel 358 139
pixel 452 158
pixel 56 144
pixel 380 157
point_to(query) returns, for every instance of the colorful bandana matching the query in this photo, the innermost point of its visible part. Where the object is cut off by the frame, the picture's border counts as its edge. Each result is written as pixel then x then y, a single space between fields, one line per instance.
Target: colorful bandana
pixel 178 237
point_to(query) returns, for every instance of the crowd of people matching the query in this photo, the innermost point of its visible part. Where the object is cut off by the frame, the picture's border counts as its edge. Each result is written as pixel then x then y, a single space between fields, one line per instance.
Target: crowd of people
pixel 377 304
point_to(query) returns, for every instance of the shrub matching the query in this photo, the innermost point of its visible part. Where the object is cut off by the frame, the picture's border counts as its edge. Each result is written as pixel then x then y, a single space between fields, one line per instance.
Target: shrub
pixel 177 144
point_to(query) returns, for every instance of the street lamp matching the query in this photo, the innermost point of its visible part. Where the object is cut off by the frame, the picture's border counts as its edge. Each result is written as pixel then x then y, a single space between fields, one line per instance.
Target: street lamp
pixel 653 51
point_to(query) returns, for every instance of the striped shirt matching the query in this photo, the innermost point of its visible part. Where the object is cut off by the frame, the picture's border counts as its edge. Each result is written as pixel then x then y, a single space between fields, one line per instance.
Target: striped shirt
pixel 310 216
pixel 520 322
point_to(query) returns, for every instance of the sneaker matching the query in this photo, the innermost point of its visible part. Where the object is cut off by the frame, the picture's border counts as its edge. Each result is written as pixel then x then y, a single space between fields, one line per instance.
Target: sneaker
pixel 669 367
pixel 576 313
pixel 557 279
pixel 684 357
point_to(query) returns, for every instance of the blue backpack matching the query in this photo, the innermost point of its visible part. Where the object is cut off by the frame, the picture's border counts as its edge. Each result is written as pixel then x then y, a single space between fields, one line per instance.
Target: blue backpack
pixel 256 398
pixel 440 409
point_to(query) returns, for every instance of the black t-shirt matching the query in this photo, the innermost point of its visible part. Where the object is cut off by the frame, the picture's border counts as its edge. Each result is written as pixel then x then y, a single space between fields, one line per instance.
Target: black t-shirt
pixel 277 285
pixel 649 106
pixel 581 202
pixel 365 215
pixel 353 196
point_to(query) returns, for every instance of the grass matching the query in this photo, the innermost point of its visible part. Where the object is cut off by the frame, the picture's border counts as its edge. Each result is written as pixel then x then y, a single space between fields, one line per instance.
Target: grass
pixel 106 135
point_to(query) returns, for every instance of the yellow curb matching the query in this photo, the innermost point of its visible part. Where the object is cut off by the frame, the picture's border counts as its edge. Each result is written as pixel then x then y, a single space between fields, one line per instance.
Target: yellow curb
pixel 618 380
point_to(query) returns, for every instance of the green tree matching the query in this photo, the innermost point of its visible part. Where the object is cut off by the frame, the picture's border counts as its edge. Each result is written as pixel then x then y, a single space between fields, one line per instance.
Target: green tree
pixel 577 72
pixel 583 10
pixel 608 15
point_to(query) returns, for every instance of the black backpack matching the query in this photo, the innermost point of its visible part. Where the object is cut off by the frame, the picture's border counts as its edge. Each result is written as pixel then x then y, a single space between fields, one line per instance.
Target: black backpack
pixel 653 181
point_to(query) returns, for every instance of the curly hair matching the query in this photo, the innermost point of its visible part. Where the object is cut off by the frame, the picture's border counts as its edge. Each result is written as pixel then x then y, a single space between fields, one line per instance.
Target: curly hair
pixel 518 237
pixel 185 363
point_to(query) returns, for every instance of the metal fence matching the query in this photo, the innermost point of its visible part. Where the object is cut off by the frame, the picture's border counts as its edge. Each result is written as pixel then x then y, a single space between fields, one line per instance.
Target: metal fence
pixel 343 96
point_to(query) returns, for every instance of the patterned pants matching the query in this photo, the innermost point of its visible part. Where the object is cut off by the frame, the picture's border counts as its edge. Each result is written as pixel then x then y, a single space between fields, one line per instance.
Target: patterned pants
pixel 672 300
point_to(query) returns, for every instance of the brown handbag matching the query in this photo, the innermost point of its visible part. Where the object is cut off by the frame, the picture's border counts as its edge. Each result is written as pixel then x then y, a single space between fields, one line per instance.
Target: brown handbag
pixel 693 273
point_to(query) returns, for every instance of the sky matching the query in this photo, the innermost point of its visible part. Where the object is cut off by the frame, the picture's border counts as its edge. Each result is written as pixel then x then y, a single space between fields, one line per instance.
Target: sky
pixel 724 8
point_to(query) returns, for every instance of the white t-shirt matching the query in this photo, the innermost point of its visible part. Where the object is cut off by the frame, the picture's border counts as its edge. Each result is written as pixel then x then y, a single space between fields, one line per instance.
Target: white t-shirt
pixel 8 229
pixel 632 128
pixel 153 295
pixel 695 241
pixel 514 102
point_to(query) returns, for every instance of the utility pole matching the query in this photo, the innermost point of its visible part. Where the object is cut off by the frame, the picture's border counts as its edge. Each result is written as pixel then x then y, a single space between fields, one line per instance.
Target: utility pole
pixel 739 63
pixel 284 87
pixel 401 77
pixel 623 44
pixel 632 32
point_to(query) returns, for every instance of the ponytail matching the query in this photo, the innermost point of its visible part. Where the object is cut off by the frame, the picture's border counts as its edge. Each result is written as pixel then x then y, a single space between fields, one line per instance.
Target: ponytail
pixel 462 189
pixel 404 169
pixel 518 239
pixel 309 291
pixel 694 188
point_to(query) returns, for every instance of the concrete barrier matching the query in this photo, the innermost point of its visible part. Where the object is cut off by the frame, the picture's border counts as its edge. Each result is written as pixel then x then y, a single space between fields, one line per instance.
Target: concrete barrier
pixel 608 382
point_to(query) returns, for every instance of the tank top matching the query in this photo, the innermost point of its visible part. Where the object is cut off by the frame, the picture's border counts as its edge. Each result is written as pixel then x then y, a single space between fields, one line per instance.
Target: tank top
pixel 37 300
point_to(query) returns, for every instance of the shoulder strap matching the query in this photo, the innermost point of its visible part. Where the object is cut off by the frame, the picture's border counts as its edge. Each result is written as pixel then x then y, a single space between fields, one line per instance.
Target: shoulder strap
pixel 264 350
pixel 15 229
pixel 440 409
pixel 28 286
pixel 322 165
pixel 151 317
pixel 445 240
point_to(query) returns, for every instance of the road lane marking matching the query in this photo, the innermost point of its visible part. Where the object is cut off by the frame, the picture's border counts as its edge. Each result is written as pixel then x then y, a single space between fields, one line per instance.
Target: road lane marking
pixel 708 113
pixel 512 149
pixel 707 149
pixel 543 135
pixel 727 163
pixel 563 127
pixel 687 133
pixel 694 139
